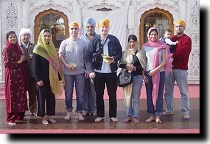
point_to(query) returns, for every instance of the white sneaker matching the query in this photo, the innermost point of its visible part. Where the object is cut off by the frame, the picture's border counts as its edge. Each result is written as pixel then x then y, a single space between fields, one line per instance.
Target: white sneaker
pixel 98 119
pixel 51 120
pixel 186 116
pixel 114 119
pixel 80 117
pixel 68 116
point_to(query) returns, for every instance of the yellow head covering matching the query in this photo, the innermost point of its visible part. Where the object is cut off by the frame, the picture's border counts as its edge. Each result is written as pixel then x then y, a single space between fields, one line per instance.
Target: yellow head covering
pixel 49 52
pixel 181 22
pixel 74 25
pixel 104 22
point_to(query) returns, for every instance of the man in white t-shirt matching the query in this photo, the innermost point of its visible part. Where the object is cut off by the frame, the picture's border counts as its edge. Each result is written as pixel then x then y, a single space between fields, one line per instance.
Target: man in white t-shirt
pixel 71 54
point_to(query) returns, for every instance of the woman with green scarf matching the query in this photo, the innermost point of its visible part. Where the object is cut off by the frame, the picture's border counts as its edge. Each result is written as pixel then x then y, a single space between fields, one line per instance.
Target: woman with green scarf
pixel 47 70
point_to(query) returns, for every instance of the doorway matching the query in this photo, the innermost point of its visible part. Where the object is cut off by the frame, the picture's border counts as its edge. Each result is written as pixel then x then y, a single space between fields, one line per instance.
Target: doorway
pixel 54 20
pixel 155 18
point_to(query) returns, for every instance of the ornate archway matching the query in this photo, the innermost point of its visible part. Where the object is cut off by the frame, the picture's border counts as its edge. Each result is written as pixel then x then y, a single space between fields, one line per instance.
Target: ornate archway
pixel 61 29
pixel 149 18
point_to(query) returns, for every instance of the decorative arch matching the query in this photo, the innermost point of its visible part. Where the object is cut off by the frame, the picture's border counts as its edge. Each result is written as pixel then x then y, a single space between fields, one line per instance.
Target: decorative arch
pixel 46 12
pixel 147 13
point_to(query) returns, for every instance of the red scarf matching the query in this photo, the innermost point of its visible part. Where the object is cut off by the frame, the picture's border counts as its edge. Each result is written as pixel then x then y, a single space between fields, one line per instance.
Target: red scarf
pixel 16 48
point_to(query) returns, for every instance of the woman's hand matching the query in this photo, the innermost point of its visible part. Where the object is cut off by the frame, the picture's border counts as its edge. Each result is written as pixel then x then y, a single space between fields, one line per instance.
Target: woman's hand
pixel 152 73
pixel 145 78
pixel 40 83
pixel 22 58
pixel 130 67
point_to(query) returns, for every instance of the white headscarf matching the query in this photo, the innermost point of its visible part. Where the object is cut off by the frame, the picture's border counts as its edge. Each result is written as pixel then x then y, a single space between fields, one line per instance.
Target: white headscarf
pixel 25 31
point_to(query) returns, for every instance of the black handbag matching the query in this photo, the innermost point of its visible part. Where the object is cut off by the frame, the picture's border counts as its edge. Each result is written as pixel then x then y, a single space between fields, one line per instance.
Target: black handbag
pixel 124 78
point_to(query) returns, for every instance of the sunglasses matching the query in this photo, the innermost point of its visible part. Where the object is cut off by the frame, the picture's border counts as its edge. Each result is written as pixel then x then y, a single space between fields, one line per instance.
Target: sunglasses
pixel 74 28
pixel 179 26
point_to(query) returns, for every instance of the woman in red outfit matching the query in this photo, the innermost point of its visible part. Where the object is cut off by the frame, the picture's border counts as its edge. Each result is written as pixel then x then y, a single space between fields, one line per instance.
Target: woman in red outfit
pixel 15 80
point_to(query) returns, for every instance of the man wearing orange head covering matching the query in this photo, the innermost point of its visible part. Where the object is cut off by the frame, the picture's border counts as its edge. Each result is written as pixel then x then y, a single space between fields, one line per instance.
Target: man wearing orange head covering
pixel 71 54
pixel 179 72
pixel 102 56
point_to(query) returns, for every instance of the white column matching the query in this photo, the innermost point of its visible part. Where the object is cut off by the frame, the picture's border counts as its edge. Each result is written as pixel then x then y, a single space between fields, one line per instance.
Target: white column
pixel 1 46
pixel 131 23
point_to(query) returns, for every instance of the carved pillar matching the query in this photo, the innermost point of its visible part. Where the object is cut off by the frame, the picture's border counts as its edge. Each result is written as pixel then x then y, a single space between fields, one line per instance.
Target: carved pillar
pixel 193 15
pixel 1 47
pixel 131 22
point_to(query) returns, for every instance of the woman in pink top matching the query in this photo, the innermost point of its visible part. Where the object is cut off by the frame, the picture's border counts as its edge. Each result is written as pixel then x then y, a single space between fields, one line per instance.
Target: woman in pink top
pixel 157 54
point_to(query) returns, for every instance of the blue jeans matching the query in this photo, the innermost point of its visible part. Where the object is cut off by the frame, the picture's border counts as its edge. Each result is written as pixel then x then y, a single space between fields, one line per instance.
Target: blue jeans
pixel 69 87
pixel 159 104
pixel 89 97
pixel 180 76
pixel 133 109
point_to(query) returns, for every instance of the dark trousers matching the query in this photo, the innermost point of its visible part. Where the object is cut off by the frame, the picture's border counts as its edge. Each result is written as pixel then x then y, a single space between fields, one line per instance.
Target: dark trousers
pixel 32 96
pixel 110 79
pixel 45 95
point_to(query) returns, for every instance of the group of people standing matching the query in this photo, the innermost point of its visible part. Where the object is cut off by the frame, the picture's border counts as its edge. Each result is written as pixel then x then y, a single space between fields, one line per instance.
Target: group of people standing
pixel 89 63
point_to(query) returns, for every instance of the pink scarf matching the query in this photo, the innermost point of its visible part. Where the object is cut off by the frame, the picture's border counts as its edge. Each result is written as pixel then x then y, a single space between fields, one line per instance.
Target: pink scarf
pixel 168 67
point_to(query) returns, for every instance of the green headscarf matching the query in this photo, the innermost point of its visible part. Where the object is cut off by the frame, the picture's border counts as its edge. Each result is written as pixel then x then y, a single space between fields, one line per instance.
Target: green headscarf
pixel 49 52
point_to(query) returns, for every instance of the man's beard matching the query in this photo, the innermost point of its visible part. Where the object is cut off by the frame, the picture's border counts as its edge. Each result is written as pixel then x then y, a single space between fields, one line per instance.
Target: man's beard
pixel 179 33
pixel 90 33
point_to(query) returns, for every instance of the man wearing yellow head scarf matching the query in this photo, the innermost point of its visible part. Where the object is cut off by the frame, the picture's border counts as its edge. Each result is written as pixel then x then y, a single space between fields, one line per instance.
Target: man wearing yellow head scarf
pixel 181 22
pixel 179 72
pixel 47 70
pixel 104 23
pixel 102 56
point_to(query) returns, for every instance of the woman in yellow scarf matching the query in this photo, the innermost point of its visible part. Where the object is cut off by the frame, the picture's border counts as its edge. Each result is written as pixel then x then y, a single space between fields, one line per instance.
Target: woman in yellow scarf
pixel 134 60
pixel 47 70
